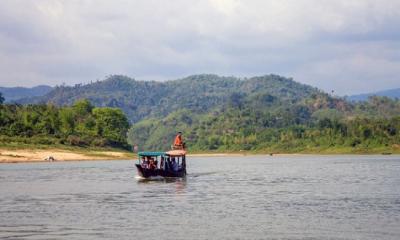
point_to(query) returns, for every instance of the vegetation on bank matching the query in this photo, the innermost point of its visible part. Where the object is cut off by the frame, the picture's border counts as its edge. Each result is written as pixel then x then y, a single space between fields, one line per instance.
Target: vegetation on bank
pixel 369 127
pixel 81 125
pixel 216 114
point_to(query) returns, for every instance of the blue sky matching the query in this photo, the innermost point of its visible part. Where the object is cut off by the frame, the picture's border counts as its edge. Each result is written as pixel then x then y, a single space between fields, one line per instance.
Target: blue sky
pixel 346 46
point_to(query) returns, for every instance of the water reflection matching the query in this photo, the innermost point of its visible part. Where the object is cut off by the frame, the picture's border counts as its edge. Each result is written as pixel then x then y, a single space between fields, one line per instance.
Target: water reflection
pixel 160 180
pixel 179 184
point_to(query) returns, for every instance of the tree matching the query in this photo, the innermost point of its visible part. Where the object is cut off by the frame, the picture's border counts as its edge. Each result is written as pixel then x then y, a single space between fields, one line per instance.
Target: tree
pixel 111 123
pixel 82 107
pixel 67 119
pixel 1 98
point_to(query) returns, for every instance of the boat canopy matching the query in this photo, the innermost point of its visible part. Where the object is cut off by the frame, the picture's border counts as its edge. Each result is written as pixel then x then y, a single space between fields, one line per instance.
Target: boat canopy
pixel 151 154
pixel 176 153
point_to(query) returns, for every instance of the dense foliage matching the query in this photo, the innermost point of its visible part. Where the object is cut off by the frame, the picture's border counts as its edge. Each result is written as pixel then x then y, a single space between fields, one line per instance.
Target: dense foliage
pixel 266 113
pixel 371 126
pixel 199 93
pixel 78 125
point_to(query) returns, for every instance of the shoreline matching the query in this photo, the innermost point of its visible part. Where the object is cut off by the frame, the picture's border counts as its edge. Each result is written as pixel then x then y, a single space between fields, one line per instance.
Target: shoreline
pixel 30 155
pixel 286 154
pixel 41 155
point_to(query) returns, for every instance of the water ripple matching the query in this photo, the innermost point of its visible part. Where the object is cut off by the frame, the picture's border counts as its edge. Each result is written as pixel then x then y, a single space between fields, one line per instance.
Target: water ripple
pixel 253 197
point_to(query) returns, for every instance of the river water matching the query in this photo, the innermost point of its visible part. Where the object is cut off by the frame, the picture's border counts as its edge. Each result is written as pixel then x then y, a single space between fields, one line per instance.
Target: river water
pixel 252 197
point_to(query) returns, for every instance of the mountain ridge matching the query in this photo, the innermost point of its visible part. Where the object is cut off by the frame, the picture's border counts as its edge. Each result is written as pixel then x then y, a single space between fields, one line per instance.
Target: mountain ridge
pixel 392 93
pixel 15 93
pixel 200 93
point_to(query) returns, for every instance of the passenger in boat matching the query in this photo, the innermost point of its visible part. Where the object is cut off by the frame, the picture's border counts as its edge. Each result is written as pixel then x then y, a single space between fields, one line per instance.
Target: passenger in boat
pixel 162 163
pixel 175 165
pixel 144 162
pixel 152 164
pixel 169 163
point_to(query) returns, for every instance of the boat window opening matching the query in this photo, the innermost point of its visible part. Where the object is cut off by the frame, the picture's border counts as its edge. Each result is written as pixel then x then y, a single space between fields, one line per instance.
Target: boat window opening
pixel 149 162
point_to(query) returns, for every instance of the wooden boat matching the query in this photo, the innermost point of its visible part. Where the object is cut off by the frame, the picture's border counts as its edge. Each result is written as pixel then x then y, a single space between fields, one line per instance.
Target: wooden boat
pixel 171 164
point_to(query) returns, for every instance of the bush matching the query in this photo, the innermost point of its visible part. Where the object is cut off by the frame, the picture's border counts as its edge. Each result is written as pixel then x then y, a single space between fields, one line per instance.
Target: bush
pixel 355 142
pixel 75 141
pixel 99 142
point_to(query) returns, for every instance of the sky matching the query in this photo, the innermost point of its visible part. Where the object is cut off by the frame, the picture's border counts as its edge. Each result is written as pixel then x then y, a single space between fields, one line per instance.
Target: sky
pixel 345 46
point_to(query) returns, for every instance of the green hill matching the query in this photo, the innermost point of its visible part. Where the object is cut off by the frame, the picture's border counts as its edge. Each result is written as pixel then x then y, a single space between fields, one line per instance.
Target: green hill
pixel 14 93
pixel 198 93
pixel 266 113
pixel 312 125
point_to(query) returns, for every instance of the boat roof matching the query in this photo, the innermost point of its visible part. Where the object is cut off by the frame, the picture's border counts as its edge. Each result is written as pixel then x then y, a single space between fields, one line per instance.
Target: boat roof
pixel 176 153
pixel 151 154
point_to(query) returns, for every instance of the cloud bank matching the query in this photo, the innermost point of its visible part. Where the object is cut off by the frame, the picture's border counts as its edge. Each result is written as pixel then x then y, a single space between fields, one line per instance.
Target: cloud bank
pixel 345 46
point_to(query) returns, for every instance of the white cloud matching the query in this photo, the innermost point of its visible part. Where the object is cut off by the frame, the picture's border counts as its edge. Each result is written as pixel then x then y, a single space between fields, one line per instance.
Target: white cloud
pixel 316 42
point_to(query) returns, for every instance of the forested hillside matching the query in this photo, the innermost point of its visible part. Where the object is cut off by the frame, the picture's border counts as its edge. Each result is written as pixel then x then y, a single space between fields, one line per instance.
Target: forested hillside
pixel 369 127
pixel 266 114
pixel 198 93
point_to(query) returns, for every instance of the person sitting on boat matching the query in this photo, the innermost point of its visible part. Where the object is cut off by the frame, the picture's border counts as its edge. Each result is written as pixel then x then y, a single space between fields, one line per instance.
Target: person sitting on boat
pixel 168 163
pixel 152 164
pixel 175 166
pixel 144 162
pixel 162 162
pixel 178 143
pixel 147 162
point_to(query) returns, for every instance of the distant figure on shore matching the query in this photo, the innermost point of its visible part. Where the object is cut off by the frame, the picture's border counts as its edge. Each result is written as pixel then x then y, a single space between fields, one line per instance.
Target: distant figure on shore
pixel 178 143
pixel 50 159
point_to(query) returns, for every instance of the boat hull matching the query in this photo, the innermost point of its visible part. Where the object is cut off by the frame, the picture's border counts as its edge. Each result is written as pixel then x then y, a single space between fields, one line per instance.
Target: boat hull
pixel 148 173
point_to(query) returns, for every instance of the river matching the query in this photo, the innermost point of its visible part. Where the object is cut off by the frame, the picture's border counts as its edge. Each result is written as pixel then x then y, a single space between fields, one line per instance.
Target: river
pixel 251 197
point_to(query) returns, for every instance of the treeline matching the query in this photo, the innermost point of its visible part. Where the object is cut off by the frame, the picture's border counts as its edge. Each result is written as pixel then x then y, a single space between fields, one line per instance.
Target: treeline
pixel 265 113
pixel 81 124
pixel 371 126
pixel 326 135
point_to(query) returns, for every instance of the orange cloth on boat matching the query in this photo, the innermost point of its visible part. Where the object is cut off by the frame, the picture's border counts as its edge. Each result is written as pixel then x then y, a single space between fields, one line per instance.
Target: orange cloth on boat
pixel 178 140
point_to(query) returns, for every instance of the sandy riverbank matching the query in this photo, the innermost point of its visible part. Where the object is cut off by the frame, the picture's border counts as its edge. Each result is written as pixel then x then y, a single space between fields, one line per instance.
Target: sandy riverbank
pixel 39 155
